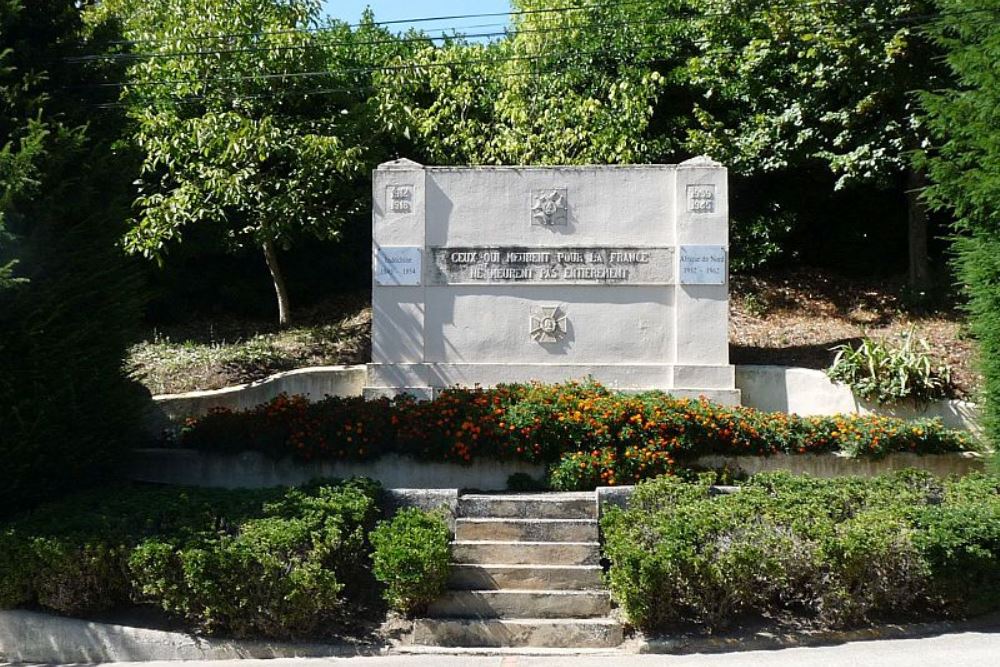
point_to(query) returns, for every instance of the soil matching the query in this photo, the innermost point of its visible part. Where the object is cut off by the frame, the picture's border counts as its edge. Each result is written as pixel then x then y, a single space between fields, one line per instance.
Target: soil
pixel 795 318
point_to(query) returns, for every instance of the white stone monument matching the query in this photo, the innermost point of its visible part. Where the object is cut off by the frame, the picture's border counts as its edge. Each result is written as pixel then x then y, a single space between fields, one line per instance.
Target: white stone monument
pixel 488 275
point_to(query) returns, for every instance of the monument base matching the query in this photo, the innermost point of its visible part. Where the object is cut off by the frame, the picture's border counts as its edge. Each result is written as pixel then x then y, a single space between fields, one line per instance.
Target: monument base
pixel 424 380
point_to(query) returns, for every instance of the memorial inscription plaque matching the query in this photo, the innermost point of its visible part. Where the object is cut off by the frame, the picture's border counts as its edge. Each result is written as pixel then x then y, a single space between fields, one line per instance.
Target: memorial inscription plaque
pixel 513 274
pixel 549 265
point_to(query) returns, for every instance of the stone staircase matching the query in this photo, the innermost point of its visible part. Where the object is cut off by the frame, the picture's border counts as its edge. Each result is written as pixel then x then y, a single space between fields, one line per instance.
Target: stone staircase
pixel 526 572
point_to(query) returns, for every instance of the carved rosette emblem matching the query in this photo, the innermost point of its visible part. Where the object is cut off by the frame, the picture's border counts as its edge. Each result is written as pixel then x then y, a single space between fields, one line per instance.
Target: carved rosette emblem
pixel 549 207
pixel 548 324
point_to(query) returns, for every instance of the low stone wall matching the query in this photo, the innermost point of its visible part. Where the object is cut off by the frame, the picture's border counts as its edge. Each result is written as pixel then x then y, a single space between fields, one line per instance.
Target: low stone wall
pixel 806 391
pixel 840 465
pixel 771 388
pixel 254 470
pixel 315 382
pixel 418 484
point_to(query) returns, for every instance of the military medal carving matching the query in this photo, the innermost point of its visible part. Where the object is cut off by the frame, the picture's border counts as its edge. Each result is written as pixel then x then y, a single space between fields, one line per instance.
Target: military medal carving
pixel 548 324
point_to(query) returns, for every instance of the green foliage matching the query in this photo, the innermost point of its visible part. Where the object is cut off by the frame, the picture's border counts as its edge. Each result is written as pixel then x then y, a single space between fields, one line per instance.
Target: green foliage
pixel 273 563
pixel 565 89
pixel 280 575
pixel 67 410
pixel 838 552
pixel 410 557
pixel 789 83
pixel 879 371
pixel 229 140
pixel 963 162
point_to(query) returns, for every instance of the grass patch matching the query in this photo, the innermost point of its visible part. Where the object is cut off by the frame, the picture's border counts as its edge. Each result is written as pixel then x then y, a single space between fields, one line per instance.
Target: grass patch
pixel 216 354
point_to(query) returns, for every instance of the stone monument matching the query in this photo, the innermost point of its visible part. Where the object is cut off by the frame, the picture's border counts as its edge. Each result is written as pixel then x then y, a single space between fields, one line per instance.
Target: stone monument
pixel 488 275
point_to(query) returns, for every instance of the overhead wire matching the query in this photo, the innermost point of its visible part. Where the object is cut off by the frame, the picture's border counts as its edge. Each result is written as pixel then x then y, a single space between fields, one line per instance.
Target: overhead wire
pixel 422 66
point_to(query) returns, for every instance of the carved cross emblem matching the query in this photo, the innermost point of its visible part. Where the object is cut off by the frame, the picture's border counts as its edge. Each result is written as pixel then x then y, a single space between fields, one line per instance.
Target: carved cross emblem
pixel 549 207
pixel 548 324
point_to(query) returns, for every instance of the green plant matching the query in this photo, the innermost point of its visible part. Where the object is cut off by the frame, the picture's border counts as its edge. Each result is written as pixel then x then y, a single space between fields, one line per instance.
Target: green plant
pixel 272 563
pixel 885 373
pixel 963 163
pixel 283 574
pixel 67 411
pixel 410 557
pixel 831 552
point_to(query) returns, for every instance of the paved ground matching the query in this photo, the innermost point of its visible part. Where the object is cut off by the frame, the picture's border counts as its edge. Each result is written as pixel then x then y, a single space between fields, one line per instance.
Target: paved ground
pixel 953 650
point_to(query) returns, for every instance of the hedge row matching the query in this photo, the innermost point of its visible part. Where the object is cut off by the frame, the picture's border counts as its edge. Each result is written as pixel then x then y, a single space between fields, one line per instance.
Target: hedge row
pixel 839 552
pixel 282 563
pixel 589 433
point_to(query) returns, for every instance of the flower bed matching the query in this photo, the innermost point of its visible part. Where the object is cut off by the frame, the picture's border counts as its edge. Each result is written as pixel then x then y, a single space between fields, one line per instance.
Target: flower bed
pixel 588 434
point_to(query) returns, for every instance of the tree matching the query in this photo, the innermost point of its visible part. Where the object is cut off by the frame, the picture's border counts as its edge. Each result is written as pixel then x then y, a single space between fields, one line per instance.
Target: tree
pixel 567 87
pixel 786 85
pixel 963 162
pixel 68 306
pixel 250 116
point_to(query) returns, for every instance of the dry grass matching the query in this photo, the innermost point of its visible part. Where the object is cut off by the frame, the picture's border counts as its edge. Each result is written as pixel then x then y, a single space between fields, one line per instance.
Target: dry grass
pixel 216 354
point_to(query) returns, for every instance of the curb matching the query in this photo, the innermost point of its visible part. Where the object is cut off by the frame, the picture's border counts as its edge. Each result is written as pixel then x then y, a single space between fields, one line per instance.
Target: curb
pixel 766 641
pixel 34 637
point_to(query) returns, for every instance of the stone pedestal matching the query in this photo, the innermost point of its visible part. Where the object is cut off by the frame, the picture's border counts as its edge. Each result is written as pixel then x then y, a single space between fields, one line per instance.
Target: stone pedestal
pixel 510 274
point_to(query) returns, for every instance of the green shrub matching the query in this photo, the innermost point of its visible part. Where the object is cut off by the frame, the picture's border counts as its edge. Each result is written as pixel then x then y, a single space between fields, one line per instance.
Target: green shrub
pixel 68 412
pixel 271 562
pixel 411 555
pixel 837 552
pixel 878 371
pixel 280 575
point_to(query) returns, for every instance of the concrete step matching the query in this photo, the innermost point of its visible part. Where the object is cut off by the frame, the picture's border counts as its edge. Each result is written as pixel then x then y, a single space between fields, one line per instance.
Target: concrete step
pixel 529 506
pixel 524 577
pixel 528 530
pixel 496 632
pixel 525 553
pixel 520 604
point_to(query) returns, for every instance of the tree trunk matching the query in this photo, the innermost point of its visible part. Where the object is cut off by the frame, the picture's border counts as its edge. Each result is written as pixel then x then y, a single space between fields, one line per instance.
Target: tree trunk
pixel 280 288
pixel 919 278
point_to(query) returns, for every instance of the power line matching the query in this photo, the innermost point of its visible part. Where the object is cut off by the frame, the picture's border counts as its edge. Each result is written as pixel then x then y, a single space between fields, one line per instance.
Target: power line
pixel 425 38
pixel 505 33
pixel 422 19
pixel 419 66
pixel 564 57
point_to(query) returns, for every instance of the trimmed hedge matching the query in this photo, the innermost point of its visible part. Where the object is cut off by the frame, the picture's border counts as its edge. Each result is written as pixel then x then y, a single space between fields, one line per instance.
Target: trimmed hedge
pixel 839 552
pixel 264 563
pixel 590 435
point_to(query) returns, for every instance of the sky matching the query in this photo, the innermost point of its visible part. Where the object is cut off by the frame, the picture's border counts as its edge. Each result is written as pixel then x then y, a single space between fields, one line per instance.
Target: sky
pixel 391 10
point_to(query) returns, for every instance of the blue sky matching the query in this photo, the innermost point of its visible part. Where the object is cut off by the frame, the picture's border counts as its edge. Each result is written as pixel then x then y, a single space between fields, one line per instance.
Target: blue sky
pixel 391 10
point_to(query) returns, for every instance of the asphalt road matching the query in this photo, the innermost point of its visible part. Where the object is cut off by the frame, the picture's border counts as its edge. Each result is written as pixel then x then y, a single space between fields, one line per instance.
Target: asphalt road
pixel 981 649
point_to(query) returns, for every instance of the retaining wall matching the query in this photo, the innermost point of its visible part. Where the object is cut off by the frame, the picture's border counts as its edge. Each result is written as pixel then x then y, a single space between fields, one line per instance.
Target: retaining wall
pixel 422 484
pixel 254 470
pixel 771 388
pixel 806 391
